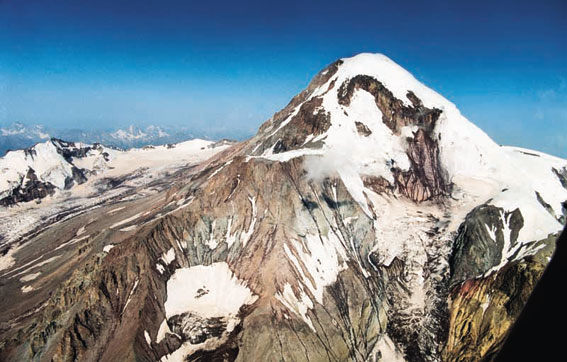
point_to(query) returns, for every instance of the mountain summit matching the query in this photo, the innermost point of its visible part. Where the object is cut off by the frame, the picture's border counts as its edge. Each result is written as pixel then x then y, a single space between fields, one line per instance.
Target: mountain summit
pixel 368 220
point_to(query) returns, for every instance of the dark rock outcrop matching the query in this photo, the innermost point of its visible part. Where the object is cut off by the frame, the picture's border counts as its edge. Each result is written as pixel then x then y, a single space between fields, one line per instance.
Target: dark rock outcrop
pixel 308 121
pixel 395 114
pixel 362 129
pixel 30 189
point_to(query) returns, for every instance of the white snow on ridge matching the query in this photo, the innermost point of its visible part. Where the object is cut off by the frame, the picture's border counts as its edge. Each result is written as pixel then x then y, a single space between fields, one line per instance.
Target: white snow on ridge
pixel 299 306
pixel 129 135
pixel 318 263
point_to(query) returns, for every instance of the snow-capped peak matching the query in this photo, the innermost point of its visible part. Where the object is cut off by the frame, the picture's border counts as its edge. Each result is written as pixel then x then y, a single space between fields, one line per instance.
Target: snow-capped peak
pixel 394 77
pixel 366 116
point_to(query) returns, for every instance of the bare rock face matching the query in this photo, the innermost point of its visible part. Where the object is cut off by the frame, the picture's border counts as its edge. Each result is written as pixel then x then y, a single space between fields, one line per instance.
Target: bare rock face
pixel 362 129
pixel 476 251
pixel 377 184
pixel 425 180
pixel 484 310
pixel 366 221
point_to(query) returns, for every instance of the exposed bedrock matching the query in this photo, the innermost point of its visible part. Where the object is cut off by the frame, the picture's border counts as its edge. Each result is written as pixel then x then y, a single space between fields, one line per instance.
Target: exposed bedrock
pixel 308 121
pixel 30 189
pixel 426 178
pixel 320 79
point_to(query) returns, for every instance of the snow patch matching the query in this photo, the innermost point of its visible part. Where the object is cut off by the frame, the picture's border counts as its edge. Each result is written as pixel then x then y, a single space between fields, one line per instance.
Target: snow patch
pixel 27 289
pixel 7 260
pixel 125 221
pixel 300 306
pixel 148 338
pixel 29 277
pixel 113 211
pixel 162 331
pixel 80 231
pixel 168 256
pixel 229 238
pixel 245 236
pixel 130 295
pixel 129 228
pixel 212 242
pixel 319 261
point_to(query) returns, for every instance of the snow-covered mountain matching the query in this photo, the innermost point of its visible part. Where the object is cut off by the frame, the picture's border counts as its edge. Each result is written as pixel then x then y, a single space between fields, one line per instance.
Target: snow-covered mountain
pixel 37 172
pixel 368 220
pixel 56 165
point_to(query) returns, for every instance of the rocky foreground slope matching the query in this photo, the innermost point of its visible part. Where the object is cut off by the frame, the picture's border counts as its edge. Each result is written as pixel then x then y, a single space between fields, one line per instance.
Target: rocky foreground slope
pixel 366 221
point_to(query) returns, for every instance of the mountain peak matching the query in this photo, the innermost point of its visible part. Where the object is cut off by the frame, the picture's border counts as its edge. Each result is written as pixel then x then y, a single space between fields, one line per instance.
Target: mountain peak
pixel 370 122
pixel 368 116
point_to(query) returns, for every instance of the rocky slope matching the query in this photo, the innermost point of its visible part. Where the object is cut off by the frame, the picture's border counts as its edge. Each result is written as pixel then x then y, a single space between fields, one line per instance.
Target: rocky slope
pixel 366 221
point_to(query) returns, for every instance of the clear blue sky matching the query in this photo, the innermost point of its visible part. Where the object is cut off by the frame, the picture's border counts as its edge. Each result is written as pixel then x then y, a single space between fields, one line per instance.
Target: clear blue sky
pixel 231 64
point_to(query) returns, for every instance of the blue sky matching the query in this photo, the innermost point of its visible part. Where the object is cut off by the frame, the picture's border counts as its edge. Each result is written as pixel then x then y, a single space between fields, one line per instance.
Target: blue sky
pixel 228 65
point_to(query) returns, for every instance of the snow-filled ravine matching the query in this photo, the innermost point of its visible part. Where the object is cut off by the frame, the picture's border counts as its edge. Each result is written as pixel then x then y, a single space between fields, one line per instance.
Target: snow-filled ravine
pixel 201 294
pixel 207 290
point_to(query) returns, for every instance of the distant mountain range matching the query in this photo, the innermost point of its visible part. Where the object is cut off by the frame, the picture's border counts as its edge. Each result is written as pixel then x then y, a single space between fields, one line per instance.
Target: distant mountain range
pixel 19 136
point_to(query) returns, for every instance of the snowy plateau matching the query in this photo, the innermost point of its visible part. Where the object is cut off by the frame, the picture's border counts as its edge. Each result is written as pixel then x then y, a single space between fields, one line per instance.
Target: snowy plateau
pixel 368 220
